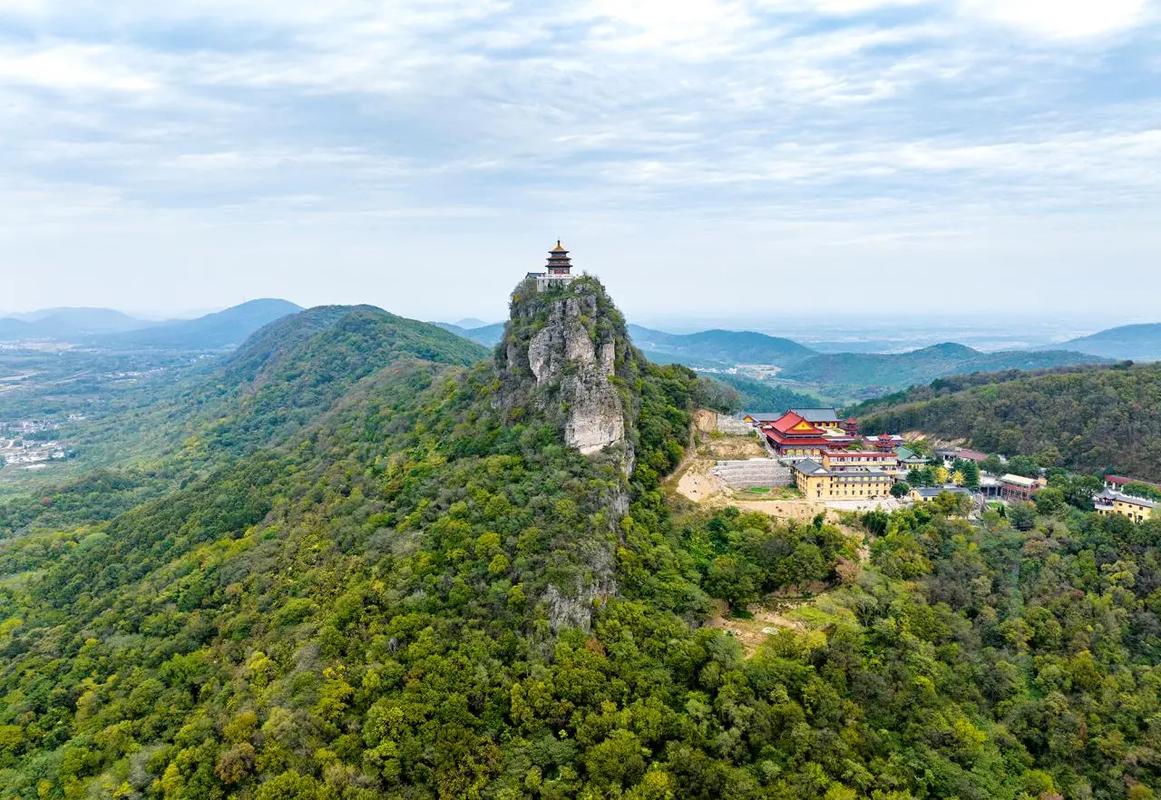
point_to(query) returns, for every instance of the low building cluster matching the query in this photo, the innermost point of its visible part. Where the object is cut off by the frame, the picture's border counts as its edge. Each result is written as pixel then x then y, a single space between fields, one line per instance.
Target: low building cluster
pixel 1123 496
pixel 820 448
pixel 22 443
pixel 846 475
pixel 828 460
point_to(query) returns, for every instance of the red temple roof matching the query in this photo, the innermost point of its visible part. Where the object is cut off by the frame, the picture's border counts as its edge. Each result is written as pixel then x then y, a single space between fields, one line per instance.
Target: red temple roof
pixel 1121 480
pixel 797 441
pixel 790 420
pixel 786 422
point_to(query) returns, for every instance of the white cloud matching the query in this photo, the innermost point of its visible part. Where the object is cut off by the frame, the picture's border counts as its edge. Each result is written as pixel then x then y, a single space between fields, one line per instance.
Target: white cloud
pixel 71 67
pixel 837 7
pixel 1062 19
pixel 894 119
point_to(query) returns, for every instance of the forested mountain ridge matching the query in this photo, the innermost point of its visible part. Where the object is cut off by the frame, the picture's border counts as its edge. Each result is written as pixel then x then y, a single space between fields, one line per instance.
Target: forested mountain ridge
pixel 281 380
pixel 866 374
pixel 367 607
pixel 1092 419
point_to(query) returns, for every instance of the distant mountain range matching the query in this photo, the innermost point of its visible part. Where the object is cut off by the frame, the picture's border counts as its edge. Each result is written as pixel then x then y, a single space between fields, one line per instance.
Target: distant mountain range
pixel 55 323
pixel 843 375
pixel 219 330
pixel 1132 342
pixel 109 328
pixel 487 335
pixel 723 347
pixel 870 373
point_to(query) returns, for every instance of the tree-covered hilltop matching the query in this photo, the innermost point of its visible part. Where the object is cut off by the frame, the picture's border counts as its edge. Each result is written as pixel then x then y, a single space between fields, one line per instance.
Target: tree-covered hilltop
pixel 1093 419
pixel 281 380
pixel 871 374
pixel 369 606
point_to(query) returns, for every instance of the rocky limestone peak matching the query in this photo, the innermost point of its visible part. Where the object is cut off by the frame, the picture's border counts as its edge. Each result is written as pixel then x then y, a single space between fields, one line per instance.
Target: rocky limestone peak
pixel 566 358
pixel 564 349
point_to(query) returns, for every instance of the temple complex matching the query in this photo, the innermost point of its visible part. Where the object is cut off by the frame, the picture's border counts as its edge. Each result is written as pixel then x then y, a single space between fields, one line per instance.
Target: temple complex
pixel 793 435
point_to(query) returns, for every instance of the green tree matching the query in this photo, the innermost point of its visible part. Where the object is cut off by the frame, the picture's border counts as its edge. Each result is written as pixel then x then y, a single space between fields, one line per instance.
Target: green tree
pixel 1049 500
pixel 1022 516
pixel 731 580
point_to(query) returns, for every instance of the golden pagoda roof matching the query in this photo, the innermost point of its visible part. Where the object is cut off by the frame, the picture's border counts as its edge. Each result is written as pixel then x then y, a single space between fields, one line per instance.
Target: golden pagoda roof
pixel 558 249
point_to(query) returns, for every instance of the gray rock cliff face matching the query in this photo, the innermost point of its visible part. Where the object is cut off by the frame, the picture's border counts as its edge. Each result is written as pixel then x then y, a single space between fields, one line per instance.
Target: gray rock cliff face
pixel 573 373
pixel 563 353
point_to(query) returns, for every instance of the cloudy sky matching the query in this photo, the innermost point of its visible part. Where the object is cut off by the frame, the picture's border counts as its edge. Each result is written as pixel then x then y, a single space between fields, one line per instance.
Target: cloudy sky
pixel 719 157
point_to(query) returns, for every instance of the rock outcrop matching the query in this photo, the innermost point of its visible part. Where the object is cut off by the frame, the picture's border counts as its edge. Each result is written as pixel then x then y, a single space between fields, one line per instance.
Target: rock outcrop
pixel 562 351
pixel 566 358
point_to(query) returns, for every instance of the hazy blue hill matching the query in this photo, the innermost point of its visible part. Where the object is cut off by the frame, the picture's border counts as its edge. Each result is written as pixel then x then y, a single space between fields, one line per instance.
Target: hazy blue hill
pixel 220 330
pixel 487 335
pixel 66 323
pixel 693 362
pixel 1092 418
pixel 760 396
pixel 11 329
pixel 867 374
pixel 727 347
pixel 1135 342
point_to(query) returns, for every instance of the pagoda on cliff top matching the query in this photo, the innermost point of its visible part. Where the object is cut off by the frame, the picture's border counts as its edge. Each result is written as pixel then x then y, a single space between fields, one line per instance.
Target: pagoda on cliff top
pixel 558 269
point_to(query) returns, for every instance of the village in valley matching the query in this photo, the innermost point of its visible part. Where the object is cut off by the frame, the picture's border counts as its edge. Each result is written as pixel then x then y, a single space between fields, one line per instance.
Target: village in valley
pixel 804 461
pixel 31 443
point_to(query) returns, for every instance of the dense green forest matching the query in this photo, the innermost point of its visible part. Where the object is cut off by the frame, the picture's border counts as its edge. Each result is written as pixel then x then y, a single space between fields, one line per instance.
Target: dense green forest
pixel 351 592
pixel 1093 419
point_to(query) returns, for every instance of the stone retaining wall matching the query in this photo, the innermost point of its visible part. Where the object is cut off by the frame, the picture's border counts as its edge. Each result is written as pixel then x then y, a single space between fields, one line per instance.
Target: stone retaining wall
pixel 751 473
pixel 733 425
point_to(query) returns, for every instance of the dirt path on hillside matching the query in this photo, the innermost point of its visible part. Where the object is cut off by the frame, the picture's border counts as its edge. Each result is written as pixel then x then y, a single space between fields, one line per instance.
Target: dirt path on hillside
pixel 764 622
pixel 693 479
